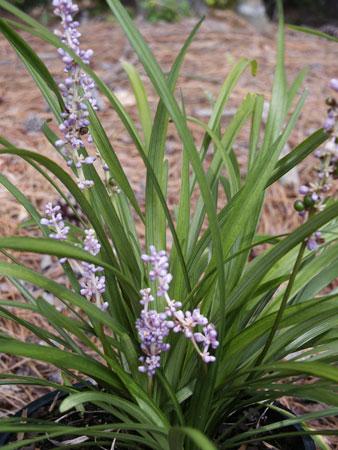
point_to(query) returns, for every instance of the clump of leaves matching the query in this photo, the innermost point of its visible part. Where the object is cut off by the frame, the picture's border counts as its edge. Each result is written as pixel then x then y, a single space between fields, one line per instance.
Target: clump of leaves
pixel 273 324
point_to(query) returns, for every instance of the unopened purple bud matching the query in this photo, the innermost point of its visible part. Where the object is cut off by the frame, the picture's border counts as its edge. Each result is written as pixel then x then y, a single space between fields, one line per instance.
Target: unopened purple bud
pixel 69 81
pixel 59 143
pixel 91 244
pixel 85 184
pixel 311 244
pixel 89 160
pixel 329 124
pixel 334 84
pixel 208 358
pixel 67 59
pixel 303 190
pixel 104 306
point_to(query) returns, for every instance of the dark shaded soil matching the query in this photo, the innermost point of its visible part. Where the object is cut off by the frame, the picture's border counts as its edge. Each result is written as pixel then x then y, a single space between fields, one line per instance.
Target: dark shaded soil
pixel 46 409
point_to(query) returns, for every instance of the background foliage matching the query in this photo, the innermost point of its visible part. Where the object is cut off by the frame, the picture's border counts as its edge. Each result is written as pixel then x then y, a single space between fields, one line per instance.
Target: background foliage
pixel 315 12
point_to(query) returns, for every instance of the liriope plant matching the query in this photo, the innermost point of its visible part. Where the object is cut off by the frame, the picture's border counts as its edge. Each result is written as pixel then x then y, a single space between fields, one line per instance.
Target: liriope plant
pixel 178 334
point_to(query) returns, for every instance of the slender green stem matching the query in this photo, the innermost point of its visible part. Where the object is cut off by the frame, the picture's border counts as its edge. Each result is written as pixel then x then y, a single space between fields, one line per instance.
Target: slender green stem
pixel 283 305
pixel 150 386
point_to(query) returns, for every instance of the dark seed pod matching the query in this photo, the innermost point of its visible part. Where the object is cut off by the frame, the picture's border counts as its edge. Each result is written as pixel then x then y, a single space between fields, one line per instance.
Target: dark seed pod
pixel 68 213
pixel 330 101
pixel 83 130
pixel 308 201
pixel 112 182
pixel 299 206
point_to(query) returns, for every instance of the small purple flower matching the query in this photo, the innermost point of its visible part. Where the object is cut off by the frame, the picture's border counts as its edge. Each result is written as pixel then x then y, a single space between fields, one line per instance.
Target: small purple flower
pixel 186 322
pixel 209 336
pixel 146 297
pixel 315 193
pixel 149 364
pixel 330 122
pixel 85 184
pixel 54 219
pixel 76 89
pixel 91 284
pixel 314 241
pixel 172 307
pixel 153 327
pixel 104 306
pixel 91 244
pixel 334 84
pixel 311 244
pixel 159 269
pixel 303 190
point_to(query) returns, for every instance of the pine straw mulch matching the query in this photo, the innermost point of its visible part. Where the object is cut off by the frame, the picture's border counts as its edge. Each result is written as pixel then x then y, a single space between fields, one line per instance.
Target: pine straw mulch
pixel 222 40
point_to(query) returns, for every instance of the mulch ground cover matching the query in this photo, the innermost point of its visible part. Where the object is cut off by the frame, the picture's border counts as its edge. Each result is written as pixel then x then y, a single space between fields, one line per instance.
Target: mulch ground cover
pixel 222 40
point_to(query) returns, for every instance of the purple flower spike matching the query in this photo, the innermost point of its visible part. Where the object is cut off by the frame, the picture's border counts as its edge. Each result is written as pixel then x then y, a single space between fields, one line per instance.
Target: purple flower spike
pixel 153 327
pixel 146 297
pixel 76 88
pixel 92 285
pixel 54 219
pixel 91 244
pixel 159 269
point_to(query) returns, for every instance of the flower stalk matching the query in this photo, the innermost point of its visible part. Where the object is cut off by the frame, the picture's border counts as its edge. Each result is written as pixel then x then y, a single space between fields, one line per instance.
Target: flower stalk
pixel 154 327
pixel 77 89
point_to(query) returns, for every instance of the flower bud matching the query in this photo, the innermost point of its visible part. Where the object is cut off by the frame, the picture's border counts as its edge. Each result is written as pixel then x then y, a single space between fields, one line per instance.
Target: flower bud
pixel 334 84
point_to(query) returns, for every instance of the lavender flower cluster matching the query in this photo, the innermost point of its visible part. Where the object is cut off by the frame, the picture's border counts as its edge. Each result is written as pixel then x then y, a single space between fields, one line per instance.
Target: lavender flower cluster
pixel 76 89
pixel 315 193
pixel 153 327
pixel 91 282
pixel 92 285
pixel 55 220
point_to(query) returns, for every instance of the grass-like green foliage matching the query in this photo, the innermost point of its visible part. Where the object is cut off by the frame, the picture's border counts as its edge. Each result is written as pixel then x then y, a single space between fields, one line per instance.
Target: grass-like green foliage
pixel 274 325
pixel 168 10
